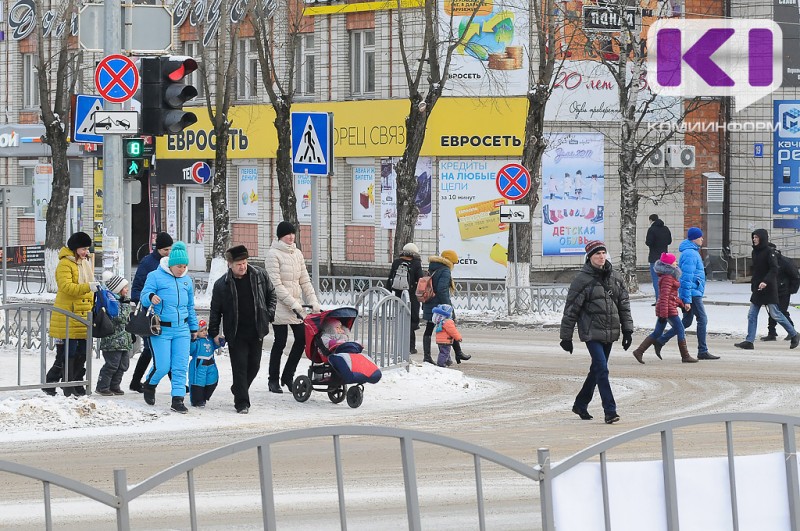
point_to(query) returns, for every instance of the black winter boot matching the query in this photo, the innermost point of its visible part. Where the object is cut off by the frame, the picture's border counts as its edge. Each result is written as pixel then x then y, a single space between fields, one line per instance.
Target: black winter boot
pixel 149 392
pixel 55 374
pixel 177 405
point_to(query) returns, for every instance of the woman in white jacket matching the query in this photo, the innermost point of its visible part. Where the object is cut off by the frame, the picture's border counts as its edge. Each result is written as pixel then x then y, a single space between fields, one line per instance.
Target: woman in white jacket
pixel 287 272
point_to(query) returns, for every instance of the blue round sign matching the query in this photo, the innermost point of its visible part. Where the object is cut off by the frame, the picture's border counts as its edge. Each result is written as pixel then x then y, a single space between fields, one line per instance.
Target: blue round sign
pixel 116 78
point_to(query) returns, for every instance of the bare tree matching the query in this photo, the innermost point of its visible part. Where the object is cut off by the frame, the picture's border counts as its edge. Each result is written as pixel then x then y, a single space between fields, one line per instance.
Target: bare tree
pixel 57 72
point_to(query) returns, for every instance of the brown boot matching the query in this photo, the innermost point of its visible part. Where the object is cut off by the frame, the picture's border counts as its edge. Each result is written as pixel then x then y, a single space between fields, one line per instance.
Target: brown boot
pixel 641 349
pixel 685 357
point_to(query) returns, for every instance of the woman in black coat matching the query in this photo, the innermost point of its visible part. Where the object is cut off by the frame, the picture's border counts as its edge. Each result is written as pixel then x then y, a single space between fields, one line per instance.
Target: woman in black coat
pixel 412 262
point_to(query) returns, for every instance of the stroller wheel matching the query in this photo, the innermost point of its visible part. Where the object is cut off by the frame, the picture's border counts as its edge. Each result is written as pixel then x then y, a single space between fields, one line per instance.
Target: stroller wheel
pixel 355 395
pixel 337 395
pixel 302 388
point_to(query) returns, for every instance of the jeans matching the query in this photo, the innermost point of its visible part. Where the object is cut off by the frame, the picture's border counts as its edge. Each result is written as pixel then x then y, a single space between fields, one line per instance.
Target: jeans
pixel 597 377
pixel 702 322
pixel 654 278
pixel 783 306
pixel 774 312
pixel 676 324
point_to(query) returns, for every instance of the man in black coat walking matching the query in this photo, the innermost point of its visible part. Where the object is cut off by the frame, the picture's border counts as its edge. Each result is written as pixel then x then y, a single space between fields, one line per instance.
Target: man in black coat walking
pixel 658 239
pixel 764 286
pixel 244 301
pixel 788 283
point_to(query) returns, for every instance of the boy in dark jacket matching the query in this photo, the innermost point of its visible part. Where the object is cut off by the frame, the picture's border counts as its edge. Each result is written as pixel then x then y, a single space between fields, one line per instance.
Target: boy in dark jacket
pixel 411 261
pixel 116 347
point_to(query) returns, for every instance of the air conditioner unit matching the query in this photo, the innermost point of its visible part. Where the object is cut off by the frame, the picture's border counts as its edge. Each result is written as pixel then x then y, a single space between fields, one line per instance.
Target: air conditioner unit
pixel 656 159
pixel 680 157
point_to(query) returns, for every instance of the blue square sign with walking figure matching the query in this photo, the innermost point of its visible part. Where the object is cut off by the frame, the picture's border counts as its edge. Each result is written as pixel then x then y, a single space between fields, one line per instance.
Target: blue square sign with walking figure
pixel 312 143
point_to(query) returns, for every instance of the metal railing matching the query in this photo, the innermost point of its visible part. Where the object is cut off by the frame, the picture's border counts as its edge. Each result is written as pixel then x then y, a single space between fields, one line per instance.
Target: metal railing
pixel 386 336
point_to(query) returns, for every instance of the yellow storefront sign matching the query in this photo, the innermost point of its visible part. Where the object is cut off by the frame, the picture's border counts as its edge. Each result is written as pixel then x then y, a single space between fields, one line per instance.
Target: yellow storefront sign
pixel 457 127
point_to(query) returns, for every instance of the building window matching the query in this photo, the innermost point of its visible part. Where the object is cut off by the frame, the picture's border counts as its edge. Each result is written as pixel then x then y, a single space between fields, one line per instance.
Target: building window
pixel 246 70
pixel 304 66
pixel 192 49
pixel 30 80
pixel 27 180
pixel 362 59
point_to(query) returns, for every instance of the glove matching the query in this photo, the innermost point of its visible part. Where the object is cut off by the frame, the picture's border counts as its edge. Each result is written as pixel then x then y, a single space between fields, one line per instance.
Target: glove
pixel 94 286
pixel 298 310
pixel 627 339
pixel 566 344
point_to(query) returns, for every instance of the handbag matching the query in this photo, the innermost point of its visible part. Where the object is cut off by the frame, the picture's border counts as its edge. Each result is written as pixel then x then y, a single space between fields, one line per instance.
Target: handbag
pixel 143 322
pixel 102 326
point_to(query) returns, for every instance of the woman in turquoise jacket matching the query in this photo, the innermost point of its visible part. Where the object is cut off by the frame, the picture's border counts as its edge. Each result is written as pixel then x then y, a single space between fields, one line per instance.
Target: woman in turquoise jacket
pixel 170 291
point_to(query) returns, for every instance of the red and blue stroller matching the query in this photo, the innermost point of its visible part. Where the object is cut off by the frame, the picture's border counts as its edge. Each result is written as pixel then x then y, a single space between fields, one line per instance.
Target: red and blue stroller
pixel 332 372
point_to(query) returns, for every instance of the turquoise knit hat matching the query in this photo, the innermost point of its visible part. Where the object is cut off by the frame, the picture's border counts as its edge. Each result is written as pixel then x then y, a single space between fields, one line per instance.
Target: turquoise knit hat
pixel 178 255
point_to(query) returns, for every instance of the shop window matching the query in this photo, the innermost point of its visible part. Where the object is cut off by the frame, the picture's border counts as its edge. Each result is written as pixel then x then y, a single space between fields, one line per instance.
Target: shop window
pixel 362 59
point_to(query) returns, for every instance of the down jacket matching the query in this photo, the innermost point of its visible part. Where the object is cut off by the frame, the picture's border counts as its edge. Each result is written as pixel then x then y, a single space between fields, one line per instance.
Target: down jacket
pixel 176 294
pixel 693 272
pixel 287 271
pixel 225 304
pixel 668 285
pixel 765 269
pixel 598 303
pixel 72 296
pixel 441 271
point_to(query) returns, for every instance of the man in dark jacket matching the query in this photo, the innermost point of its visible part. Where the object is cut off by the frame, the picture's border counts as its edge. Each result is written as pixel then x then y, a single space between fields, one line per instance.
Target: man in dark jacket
pixel 788 283
pixel 598 304
pixel 658 239
pixel 148 264
pixel 412 263
pixel 440 269
pixel 764 288
pixel 244 301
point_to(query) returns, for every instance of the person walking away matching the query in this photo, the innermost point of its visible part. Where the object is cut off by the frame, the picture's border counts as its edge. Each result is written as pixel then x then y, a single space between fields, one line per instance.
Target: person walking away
pixel 764 289
pixel 116 347
pixel 287 271
pixel 148 264
pixel 243 301
pixel 691 292
pixel 597 302
pixel 170 291
pixel 667 309
pixel 788 284
pixel 446 333
pixel 76 284
pixel 403 276
pixel 203 373
pixel 440 269
pixel 658 240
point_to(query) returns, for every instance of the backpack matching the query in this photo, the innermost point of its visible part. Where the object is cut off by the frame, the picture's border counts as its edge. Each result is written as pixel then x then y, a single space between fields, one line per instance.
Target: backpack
pixel 425 291
pixel 792 277
pixel 103 299
pixel 102 326
pixel 400 279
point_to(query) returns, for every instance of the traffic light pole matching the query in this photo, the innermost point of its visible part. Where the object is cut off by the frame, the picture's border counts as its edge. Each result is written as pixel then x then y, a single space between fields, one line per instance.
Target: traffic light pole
pixel 114 231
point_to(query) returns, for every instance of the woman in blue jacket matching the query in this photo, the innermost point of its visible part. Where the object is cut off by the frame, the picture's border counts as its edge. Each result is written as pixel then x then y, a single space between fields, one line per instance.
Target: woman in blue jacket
pixel 170 291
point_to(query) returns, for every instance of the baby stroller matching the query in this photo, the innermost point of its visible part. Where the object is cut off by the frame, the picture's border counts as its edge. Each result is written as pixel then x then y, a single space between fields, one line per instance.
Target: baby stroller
pixel 332 372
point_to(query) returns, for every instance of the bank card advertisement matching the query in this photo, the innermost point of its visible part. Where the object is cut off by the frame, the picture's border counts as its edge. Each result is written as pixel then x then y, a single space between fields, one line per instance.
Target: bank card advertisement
pixel 423 198
pixel 786 158
pixel 469 217
pixel 573 193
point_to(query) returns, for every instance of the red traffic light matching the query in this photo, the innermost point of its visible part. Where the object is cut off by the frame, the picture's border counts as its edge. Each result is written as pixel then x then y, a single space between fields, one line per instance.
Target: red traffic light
pixel 178 67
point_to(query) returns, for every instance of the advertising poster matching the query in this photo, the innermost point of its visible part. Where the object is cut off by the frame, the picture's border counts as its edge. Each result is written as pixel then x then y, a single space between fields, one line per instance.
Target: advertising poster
pixel 42 189
pixel 97 235
pixel 573 193
pixel 172 210
pixel 248 192
pixel 364 194
pixel 469 217
pixel 786 158
pixel 423 199
pixel 302 193
pixel 494 59
pixel 787 15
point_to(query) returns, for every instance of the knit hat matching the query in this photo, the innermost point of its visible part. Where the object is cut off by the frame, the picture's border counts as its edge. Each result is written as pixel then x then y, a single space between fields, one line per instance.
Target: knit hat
pixel 411 248
pixel 178 255
pixel 163 240
pixel 594 246
pixel 202 323
pixel 79 240
pixel 236 253
pixel 284 228
pixel 445 310
pixel 668 258
pixel 114 283
pixel 693 233
pixel 450 255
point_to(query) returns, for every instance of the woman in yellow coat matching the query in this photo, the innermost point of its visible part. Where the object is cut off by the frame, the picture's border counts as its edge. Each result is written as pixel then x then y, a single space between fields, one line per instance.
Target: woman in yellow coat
pixel 76 284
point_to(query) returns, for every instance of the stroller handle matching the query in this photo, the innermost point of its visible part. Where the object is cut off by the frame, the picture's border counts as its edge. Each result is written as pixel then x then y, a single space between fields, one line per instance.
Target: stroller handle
pixel 306 306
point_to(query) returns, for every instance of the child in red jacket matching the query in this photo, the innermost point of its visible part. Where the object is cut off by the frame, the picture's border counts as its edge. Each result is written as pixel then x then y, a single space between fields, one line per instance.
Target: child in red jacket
pixel 667 308
pixel 446 333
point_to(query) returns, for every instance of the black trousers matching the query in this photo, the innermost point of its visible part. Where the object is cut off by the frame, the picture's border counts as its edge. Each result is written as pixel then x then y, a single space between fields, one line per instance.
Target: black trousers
pixel 245 354
pixel 143 362
pixel 279 343
pixel 783 306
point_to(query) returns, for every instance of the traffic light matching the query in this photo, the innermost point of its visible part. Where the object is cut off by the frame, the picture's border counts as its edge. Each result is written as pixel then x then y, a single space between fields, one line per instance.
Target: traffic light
pixel 133 157
pixel 163 94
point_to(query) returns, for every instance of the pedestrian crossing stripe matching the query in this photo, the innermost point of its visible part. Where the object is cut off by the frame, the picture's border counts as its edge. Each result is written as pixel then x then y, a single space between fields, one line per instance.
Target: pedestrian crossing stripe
pixel 309 151
pixel 87 125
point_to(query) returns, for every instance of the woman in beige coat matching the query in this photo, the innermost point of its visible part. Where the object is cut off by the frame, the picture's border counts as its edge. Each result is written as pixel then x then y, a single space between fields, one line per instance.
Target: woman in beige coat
pixel 287 272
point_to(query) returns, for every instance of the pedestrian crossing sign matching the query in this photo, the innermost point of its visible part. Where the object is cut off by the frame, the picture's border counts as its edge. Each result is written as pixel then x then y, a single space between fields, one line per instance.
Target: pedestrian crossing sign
pixel 312 143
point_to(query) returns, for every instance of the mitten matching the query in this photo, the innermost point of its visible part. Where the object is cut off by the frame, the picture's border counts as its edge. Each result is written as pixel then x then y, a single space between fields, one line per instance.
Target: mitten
pixel 566 344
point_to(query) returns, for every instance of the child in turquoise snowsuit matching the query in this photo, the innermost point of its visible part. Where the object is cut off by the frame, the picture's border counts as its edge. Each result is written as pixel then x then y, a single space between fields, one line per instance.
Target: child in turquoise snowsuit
pixel 203 373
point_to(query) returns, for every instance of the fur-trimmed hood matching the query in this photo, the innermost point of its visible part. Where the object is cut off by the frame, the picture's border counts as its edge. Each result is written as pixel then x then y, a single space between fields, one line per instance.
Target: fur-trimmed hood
pixel 440 260
pixel 663 269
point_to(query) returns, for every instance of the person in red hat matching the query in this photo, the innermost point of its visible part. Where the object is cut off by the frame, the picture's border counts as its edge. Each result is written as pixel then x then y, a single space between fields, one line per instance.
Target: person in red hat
pixel 598 304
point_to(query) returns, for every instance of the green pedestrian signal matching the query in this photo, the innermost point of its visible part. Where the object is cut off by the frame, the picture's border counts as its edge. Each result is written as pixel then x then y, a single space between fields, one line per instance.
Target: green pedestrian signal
pixel 133 167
